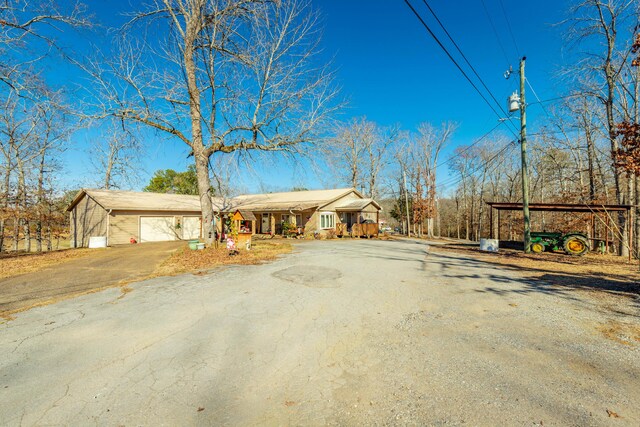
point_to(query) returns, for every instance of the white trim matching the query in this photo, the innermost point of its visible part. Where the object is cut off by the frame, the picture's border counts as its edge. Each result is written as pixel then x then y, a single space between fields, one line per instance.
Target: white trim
pixel 329 223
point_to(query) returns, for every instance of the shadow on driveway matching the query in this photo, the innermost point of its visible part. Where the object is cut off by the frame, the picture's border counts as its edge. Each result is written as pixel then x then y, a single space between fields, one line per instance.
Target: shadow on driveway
pixel 106 268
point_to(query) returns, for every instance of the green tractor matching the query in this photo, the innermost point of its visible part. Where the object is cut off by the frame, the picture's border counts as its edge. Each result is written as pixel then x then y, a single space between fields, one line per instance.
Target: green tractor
pixel 573 243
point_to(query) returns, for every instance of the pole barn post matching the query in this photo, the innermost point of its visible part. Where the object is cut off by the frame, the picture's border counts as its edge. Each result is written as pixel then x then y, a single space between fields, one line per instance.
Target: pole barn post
pixel 492 225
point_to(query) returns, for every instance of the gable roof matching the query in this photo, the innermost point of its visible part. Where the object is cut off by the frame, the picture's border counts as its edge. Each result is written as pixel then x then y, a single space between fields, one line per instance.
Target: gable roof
pixel 291 200
pixel 355 205
pixel 135 201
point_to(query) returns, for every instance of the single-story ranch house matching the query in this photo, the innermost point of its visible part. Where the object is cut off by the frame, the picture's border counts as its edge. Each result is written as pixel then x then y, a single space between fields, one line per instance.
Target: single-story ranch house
pixel 148 217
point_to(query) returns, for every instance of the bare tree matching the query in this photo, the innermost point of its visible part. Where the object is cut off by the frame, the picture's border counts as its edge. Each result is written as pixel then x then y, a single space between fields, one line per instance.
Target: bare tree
pixel 431 141
pixel 115 156
pixel 220 76
pixel 346 150
pixel 602 21
pixel 360 151
pixel 29 33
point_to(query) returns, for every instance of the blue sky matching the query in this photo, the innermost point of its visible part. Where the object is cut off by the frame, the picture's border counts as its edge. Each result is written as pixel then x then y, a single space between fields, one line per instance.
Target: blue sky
pixel 392 72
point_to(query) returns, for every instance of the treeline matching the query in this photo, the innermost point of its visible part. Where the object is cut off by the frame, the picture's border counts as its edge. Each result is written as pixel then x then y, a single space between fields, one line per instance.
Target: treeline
pixel 587 151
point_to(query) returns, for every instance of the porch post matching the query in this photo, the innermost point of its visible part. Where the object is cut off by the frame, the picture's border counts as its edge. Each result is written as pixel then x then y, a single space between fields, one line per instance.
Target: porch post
pixel 272 223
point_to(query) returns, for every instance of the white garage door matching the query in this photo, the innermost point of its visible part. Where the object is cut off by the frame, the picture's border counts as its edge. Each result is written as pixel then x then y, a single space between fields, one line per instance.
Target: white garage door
pixel 156 229
pixel 191 227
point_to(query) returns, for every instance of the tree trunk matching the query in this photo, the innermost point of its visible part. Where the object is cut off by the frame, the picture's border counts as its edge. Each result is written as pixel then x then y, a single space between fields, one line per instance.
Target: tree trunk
pixel 204 189
pixel 637 215
pixel 3 209
pixel 40 201
pixel 590 157
pixel 200 153
pixel 24 207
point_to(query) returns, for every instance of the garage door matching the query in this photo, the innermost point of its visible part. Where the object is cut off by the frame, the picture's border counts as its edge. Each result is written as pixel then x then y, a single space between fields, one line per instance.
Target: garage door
pixel 156 229
pixel 191 227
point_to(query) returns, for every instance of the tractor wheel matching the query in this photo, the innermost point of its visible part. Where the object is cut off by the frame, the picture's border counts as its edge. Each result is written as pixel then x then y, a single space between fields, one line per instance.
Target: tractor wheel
pixel 537 247
pixel 576 245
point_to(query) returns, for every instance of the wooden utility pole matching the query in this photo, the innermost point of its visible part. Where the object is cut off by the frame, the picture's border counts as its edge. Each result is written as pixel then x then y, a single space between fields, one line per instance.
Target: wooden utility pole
pixel 406 202
pixel 525 169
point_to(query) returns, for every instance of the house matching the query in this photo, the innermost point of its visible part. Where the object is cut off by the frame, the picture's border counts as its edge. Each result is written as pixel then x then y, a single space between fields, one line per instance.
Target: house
pixel 311 211
pixel 146 217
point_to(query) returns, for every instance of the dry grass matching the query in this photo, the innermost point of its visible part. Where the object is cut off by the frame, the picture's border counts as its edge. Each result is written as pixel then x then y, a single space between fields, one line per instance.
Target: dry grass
pixel 186 260
pixel 14 264
pixel 563 269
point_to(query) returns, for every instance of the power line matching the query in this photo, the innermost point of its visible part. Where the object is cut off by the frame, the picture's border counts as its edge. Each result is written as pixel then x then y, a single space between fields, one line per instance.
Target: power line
pixel 456 180
pixel 495 32
pixel 426 26
pixel 506 18
pixel 536 95
pixel 468 147
pixel 465 58
pixel 556 98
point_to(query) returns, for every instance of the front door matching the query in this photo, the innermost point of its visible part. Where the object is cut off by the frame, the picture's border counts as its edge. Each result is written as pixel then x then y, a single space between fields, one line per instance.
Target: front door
pixel 265 224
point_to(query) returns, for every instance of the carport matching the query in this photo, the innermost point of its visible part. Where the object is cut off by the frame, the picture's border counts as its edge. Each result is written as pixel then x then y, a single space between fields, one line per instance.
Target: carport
pixel 597 212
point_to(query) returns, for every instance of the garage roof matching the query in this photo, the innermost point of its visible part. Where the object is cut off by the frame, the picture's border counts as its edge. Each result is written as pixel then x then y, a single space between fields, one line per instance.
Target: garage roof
pixel 136 201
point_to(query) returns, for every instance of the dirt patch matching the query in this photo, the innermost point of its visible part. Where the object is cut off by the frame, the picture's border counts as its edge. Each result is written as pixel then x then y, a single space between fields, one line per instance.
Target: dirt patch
pixel 15 264
pixel 186 260
pixel 310 275
pixel 622 332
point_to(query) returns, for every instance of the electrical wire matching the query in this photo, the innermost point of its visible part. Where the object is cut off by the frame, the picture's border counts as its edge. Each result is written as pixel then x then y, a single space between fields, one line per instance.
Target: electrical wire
pixel 457 179
pixel 465 58
pixel 468 147
pixel 506 18
pixel 490 168
pixel 544 101
pixel 446 51
pixel 495 32
pixel 537 97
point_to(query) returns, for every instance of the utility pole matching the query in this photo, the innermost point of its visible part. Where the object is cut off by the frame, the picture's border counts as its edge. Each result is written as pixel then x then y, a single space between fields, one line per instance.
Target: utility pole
pixel 406 202
pixel 525 169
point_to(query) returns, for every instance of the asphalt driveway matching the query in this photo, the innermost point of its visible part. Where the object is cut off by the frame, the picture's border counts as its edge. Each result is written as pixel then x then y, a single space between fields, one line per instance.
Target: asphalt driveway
pixel 104 268
pixel 337 333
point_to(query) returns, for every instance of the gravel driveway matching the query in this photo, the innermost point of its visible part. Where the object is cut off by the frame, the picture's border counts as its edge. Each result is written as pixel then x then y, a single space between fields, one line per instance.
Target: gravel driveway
pixel 361 332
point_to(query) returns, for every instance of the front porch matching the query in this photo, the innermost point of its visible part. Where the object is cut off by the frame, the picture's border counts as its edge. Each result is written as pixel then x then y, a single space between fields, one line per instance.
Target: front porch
pixel 282 223
pixel 357 224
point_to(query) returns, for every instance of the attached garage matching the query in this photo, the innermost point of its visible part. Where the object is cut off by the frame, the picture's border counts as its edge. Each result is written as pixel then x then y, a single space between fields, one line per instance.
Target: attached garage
pixel 124 215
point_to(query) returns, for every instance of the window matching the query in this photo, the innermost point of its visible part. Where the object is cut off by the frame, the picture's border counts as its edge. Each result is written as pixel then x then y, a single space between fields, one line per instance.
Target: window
pixel 327 220
pixel 286 218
